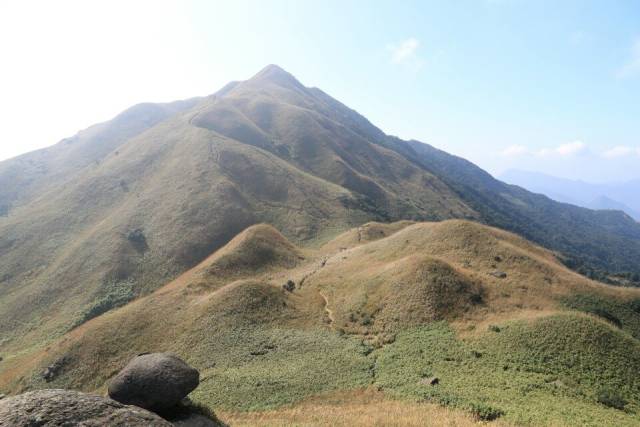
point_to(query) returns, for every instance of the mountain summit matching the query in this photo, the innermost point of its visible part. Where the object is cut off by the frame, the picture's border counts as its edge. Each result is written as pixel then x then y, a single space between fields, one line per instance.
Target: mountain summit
pixel 274 74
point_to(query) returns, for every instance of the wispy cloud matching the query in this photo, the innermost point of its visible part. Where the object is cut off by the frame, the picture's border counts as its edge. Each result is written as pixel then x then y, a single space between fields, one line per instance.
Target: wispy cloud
pixel 405 50
pixel 515 151
pixel 564 150
pixel 405 53
pixel 632 67
pixel 571 148
pixel 621 151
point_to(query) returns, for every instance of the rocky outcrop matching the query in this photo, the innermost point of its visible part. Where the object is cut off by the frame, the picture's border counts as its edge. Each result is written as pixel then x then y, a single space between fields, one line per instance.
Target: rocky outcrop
pixel 155 381
pixel 55 408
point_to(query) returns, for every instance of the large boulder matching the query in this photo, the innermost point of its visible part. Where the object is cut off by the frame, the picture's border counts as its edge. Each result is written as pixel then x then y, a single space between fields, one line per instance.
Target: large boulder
pixel 154 381
pixel 56 408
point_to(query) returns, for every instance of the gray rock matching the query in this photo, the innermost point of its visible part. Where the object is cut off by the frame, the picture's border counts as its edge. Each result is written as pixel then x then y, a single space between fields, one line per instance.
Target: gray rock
pixel 52 371
pixel 430 381
pixel 156 381
pixel 499 274
pixel 64 408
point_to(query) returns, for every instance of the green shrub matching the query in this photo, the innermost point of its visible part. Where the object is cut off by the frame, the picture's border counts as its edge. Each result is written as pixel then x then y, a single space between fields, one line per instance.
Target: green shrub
pixel 484 412
pixel 115 295
pixel 623 314
pixel 611 398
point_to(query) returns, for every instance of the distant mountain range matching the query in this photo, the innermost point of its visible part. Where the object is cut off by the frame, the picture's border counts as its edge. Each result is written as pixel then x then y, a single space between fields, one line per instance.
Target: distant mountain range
pixel 622 196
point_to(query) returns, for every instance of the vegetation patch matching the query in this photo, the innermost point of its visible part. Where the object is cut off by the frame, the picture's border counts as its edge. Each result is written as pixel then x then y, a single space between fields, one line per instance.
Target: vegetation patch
pixel 262 368
pixel 611 398
pixel 115 294
pixel 549 371
pixel 623 314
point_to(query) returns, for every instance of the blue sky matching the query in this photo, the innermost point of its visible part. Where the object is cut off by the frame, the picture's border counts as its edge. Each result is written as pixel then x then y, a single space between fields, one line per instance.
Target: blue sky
pixel 540 85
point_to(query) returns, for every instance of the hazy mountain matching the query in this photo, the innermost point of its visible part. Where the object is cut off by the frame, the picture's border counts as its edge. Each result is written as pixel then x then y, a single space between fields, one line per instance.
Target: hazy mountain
pixel 119 209
pixel 624 196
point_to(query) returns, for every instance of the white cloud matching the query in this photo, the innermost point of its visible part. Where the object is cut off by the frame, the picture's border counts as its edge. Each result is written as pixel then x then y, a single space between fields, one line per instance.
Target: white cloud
pixel 405 51
pixel 564 150
pixel 515 151
pixel 621 151
pixel 571 149
pixel 632 67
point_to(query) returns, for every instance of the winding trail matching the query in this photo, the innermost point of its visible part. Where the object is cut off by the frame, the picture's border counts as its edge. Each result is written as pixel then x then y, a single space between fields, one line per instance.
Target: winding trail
pixel 327 309
pixel 323 262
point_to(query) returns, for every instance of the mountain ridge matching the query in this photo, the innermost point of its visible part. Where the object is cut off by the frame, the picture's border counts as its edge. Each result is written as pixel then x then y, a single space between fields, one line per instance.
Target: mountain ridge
pixel 428 303
pixel 185 178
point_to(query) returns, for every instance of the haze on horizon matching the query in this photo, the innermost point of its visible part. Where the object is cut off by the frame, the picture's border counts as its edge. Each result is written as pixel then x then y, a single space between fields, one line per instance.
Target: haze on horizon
pixel 541 86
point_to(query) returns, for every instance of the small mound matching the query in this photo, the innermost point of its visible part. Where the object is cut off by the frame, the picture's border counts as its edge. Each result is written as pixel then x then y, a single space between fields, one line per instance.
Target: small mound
pixel 470 239
pixel 245 302
pixel 414 290
pixel 375 230
pixel 582 349
pixel 423 289
pixel 258 248
pixel 549 371
pixel 368 232
pixel 624 313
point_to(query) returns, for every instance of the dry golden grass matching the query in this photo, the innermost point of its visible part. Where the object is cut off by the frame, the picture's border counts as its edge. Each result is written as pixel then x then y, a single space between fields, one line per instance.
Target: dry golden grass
pixel 400 275
pixel 355 408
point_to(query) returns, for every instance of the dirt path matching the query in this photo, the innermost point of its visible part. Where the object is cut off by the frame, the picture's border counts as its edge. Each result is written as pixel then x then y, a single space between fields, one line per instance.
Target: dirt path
pixel 323 262
pixel 327 309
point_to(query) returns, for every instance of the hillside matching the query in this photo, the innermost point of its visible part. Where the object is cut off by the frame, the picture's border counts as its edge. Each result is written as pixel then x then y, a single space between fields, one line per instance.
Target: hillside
pixel 600 244
pixel 112 214
pixel 140 211
pixel 460 301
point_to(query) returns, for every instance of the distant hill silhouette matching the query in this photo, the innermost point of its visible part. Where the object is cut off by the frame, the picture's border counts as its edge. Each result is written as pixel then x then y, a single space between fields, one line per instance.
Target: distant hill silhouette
pixel 622 196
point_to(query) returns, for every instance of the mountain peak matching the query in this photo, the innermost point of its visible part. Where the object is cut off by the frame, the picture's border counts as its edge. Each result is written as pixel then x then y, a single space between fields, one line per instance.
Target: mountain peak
pixel 274 74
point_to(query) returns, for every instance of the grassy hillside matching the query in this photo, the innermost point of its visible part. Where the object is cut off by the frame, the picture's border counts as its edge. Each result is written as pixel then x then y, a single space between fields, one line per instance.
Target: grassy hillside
pixel 380 307
pixel 25 177
pixel 538 372
pixel 601 244
pixel 111 214
pixel 121 240
pixel 132 203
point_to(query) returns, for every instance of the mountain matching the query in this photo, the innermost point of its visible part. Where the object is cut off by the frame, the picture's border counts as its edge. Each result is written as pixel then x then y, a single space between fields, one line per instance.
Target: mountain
pixel 116 211
pixel 25 177
pixel 378 311
pixel 623 196
pixel 606 203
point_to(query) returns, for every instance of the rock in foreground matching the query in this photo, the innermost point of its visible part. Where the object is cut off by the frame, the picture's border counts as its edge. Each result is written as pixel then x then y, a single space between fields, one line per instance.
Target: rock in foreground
pixel 156 381
pixel 49 408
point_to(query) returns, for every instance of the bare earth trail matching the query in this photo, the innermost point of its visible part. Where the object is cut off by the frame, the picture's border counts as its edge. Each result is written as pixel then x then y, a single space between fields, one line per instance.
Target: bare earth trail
pixel 327 309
